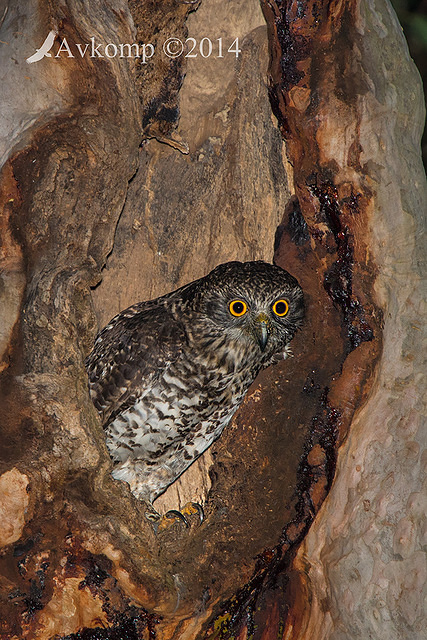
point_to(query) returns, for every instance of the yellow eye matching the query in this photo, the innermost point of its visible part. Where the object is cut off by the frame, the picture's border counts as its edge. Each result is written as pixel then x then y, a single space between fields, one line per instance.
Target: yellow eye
pixel 238 308
pixel 281 308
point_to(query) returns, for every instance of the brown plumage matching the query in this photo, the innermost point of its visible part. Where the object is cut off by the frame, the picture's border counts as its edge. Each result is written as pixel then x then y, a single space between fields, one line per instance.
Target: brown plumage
pixel 168 375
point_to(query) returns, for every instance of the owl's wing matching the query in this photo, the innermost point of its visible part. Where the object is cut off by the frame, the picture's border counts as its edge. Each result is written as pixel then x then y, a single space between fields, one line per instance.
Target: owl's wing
pixel 130 353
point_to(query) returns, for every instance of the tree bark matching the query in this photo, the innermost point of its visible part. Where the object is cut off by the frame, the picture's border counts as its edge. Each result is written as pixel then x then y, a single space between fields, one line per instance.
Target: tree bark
pixel 313 496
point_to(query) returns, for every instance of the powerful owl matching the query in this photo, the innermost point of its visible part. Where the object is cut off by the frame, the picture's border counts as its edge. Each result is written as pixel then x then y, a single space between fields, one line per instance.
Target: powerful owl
pixel 168 375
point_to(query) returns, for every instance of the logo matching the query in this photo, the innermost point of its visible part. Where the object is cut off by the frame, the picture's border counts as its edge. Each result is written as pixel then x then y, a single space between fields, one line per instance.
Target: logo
pixel 43 52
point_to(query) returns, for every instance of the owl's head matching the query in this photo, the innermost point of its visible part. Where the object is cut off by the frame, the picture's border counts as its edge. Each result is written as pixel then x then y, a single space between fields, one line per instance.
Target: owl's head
pixel 254 304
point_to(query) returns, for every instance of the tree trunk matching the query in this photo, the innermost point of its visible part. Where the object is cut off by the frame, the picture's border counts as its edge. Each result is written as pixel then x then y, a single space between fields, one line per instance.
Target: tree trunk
pixel 313 503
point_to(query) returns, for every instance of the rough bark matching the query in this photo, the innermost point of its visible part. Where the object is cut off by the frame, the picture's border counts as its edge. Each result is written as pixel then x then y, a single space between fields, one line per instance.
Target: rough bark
pixel 365 557
pixel 92 223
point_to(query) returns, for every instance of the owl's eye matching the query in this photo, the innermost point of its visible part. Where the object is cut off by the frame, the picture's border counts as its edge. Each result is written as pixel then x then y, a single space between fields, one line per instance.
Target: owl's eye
pixel 281 308
pixel 238 308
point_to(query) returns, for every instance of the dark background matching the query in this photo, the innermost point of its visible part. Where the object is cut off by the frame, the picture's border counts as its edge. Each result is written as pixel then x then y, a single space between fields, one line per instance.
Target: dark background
pixel 412 15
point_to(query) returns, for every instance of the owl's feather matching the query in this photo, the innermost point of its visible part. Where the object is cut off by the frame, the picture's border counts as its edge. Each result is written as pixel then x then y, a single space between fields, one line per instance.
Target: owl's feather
pixel 130 353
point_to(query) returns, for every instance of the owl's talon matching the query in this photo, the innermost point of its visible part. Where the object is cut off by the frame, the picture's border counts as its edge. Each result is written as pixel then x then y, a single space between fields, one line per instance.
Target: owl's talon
pixel 168 519
pixel 151 514
pixel 174 513
pixel 163 523
pixel 192 508
pixel 152 517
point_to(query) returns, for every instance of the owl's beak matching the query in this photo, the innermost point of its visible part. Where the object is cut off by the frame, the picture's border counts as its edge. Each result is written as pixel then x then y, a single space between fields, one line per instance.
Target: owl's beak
pixel 261 330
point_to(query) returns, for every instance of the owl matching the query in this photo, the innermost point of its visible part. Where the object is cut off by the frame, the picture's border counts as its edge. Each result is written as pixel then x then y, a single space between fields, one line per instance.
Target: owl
pixel 167 375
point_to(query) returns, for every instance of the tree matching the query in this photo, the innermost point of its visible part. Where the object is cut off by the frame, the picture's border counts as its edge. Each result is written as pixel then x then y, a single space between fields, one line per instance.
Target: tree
pixel 314 510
